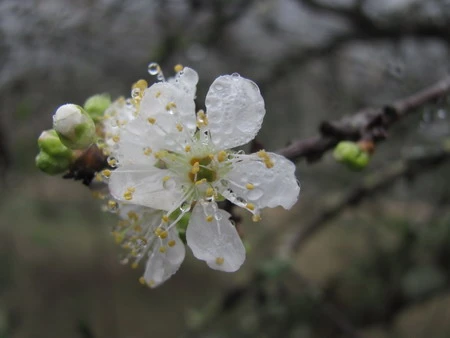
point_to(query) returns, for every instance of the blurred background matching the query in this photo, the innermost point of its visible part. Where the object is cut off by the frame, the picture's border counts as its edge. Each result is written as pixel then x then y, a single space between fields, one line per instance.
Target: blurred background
pixel 379 268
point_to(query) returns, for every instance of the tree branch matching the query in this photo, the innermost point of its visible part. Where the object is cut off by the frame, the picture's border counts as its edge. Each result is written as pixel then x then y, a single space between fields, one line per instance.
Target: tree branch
pixel 369 124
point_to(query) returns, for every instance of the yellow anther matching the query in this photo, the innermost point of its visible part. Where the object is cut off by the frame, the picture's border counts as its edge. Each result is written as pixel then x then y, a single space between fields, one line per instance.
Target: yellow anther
pixel 137 228
pixel 222 156
pixel 163 235
pixel 133 216
pixel 209 218
pixel 171 105
pixel 118 238
pixel 131 189
pixel 165 218
pixel 250 186
pixel 256 218
pixel 151 120
pixel 141 84
pixel 179 127
pixel 98 177
pixel 158 231
pixel 250 206
pixel 187 148
pixel 142 280
pixel 147 151
pixel 171 243
pixel 151 283
pixel 178 68
pixel 98 195
pixel 160 154
pixel 220 260
pixel 112 204
pixel 157 94
pixel 106 173
pixel 166 178
pixel 116 138
pixel 210 192
pixel 266 158
pixel 162 249
pixel 134 265
pixel 269 164
pixel 112 162
pixel 195 168
pixel 199 182
pixel 128 195
pixel 202 119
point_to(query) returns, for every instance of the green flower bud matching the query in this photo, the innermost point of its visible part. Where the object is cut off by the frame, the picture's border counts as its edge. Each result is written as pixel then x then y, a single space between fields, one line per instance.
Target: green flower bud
pixel 359 162
pixel 345 151
pixel 74 126
pixel 96 105
pixel 50 143
pixel 50 164
pixel 351 154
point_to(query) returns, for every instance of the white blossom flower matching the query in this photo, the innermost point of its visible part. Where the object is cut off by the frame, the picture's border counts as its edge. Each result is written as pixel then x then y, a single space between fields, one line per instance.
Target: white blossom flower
pixel 173 159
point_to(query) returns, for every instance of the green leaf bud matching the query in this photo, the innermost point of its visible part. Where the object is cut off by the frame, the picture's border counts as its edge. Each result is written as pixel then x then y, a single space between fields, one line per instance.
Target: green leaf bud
pixel 50 164
pixel 351 154
pixel 50 143
pixel 74 126
pixel 96 105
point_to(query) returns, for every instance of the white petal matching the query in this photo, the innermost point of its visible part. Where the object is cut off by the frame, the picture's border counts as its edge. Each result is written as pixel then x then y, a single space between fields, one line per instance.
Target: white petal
pixel 161 266
pixel 133 144
pixel 187 80
pixel 235 110
pixel 216 242
pixel 170 107
pixel 276 186
pixel 149 188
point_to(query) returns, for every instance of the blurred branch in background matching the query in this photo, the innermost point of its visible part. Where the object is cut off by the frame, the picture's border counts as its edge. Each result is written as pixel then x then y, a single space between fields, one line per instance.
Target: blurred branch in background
pixel 369 124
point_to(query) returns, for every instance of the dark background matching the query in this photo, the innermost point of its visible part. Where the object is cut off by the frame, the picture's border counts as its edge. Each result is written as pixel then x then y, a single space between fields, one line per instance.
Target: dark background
pixel 378 269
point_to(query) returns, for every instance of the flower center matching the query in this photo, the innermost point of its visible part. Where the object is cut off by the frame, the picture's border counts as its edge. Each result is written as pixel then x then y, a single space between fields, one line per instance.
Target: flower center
pixel 201 170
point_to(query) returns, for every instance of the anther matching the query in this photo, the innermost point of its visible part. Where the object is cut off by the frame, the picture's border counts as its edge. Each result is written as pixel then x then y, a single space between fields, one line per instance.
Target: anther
pixel 178 68
pixel 171 243
pixel 222 156
pixel 116 138
pixel 142 280
pixel 165 218
pixel 250 206
pixel 250 186
pixel 170 105
pixel 195 168
pixel 163 235
pixel 220 260
pixel 187 148
pixel 162 249
pixel 256 218
pixel 179 127
pixel 209 218
pixel 151 120
pixel 106 173
pixel 147 151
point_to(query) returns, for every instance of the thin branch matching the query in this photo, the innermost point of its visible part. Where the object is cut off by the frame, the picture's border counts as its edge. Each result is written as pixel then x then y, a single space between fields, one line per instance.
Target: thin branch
pixel 371 185
pixel 370 124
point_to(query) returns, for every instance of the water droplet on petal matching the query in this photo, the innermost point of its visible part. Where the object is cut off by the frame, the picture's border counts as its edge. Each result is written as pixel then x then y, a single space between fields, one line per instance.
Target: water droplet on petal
pixel 218 216
pixel 169 184
pixel 255 194
pixel 235 75
pixel 153 68
pixel 135 93
pixel 241 200
pixel 218 87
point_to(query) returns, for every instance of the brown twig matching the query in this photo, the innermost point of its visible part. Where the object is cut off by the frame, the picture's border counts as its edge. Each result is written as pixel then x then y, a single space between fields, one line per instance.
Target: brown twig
pixel 370 124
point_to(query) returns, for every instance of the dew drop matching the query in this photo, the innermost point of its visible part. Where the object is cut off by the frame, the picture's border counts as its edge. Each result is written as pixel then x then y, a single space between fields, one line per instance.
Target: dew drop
pixel 218 87
pixel 218 216
pixel 185 207
pixel 235 75
pixel 124 260
pixel 135 93
pixel 169 184
pixel 112 162
pixel 153 68
pixel 255 194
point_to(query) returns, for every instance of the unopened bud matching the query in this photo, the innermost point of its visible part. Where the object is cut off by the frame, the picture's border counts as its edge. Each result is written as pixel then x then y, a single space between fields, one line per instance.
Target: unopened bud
pixel 74 126
pixel 96 105
pixel 50 143
pixel 51 165
pixel 351 154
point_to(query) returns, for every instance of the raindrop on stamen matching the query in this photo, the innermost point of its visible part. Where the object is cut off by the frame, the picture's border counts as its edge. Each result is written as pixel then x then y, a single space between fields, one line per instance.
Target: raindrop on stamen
pixel 135 93
pixel 218 216
pixel 153 68
pixel 185 207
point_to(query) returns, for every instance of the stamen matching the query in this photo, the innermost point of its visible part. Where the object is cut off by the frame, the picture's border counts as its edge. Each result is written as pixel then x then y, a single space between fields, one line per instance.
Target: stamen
pixel 106 173
pixel 209 218
pixel 220 260
pixel 179 127
pixel 256 218
pixel 250 206
pixel 222 156
pixel 171 243
pixel 250 186
pixel 151 120
pixel 178 68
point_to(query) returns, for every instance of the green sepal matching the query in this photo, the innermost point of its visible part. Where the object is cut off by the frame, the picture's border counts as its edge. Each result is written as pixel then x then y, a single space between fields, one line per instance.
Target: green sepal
pixel 96 105
pixel 51 165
